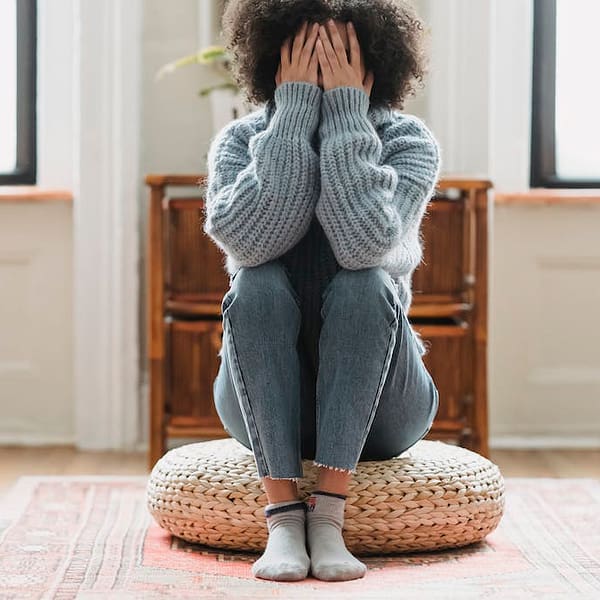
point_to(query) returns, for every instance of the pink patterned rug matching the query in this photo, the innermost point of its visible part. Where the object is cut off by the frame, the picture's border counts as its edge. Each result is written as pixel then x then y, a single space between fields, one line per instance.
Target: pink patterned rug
pixel 83 537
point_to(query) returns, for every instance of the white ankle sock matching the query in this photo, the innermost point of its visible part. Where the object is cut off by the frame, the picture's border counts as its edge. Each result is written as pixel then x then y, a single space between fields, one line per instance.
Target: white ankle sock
pixel 329 558
pixel 285 557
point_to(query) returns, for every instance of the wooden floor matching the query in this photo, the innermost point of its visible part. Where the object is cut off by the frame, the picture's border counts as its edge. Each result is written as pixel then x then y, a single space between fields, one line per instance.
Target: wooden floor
pixel 65 460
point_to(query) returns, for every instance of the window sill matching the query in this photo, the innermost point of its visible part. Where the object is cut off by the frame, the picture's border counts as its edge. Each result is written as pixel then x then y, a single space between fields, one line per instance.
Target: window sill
pixel 549 197
pixel 33 193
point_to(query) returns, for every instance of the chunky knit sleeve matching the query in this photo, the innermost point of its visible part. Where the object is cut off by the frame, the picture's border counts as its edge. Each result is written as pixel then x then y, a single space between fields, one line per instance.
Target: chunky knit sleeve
pixel 374 190
pixel 262 186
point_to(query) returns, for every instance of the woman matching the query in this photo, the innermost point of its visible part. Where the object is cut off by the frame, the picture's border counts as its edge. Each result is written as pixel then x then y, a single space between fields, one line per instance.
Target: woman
pixel 316 199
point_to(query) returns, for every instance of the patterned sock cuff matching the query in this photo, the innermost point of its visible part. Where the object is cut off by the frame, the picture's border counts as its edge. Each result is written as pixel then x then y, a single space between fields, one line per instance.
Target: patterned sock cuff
pixel 280 507
pixel 333 494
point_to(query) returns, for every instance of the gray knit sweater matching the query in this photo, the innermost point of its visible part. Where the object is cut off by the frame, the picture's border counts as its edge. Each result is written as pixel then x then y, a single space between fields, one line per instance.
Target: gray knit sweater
pixel 322 178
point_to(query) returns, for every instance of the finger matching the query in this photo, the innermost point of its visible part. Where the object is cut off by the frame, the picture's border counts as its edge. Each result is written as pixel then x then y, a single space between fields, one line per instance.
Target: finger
pixel 314 59
pixel 285 53
pixel 328 48
pixel 299 42
pixel 337 43
pixel 323 60
pixel 354 46
pixel 310 42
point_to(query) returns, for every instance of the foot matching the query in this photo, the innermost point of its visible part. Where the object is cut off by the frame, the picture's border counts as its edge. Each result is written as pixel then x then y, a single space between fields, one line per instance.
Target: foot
pixel 285 557
pixel 330 560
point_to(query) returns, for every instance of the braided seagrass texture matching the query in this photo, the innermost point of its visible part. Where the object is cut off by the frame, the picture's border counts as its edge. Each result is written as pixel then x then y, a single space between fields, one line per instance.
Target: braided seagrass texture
pixel 433 496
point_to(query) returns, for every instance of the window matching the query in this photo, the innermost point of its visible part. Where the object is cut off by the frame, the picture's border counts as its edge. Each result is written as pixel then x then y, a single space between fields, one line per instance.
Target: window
pixel 17 91
pixel 565 149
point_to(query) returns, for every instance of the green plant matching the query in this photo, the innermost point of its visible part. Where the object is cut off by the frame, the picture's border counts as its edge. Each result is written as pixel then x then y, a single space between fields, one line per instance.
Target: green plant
pixel 214 57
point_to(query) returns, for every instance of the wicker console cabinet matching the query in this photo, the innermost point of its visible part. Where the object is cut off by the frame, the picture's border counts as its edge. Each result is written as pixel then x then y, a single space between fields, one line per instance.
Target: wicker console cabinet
pixel 186 283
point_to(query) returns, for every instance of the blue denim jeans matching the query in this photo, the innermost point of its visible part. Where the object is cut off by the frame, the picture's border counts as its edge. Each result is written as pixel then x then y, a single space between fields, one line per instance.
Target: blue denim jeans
pixel 347 384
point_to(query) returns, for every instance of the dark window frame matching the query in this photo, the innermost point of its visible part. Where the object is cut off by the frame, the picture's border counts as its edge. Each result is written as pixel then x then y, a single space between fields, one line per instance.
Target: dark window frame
pixel 543 108
pixel 25 171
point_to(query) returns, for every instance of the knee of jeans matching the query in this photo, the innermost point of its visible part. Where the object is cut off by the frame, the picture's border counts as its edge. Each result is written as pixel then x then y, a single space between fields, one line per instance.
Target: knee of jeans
pixel 365 286
pixel 372 280
pixel 261 288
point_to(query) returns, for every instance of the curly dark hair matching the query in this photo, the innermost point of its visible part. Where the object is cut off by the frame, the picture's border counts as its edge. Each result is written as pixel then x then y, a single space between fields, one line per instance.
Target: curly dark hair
pixel 390 34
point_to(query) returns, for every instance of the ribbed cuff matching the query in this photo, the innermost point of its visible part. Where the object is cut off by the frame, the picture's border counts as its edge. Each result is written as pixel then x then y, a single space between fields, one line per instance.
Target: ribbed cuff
pixel 344 108
pixel 282 507
pixel 297 107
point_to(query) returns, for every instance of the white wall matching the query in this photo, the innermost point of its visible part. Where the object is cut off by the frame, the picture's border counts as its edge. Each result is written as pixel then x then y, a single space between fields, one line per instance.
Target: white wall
pixel 458 88
pixel 478 94
pixel 175 121
pixel 544 357
pixel 36 400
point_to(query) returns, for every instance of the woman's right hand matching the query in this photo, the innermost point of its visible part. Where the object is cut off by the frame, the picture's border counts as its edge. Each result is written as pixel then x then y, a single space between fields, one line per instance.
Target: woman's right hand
pixel 303 64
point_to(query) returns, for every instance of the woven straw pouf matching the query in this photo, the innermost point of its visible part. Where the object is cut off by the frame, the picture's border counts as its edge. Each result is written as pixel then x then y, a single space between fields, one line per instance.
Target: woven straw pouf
pixel 433 496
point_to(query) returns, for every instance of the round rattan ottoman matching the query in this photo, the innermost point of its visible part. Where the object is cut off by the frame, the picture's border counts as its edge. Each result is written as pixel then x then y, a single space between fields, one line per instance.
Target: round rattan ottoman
pixel 433 496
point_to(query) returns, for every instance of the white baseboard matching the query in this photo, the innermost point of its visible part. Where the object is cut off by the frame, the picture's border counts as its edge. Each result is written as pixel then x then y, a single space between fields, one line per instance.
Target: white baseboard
pixel 35 439
pixel 141 447
pixel 544 442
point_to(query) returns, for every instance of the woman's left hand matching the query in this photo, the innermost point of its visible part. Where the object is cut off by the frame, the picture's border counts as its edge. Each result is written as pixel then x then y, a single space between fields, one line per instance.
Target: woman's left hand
pixel 333 61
